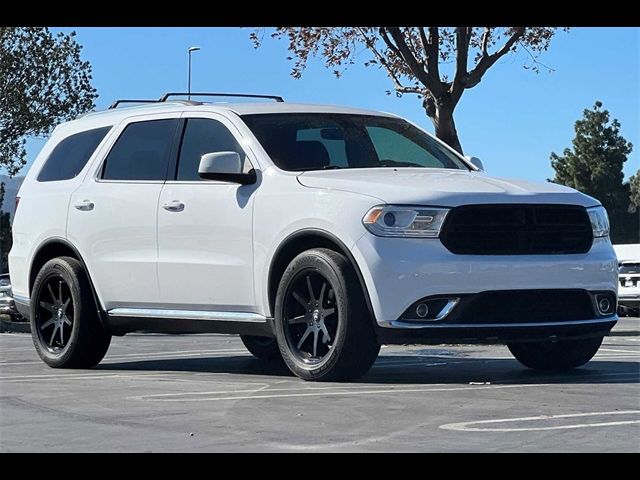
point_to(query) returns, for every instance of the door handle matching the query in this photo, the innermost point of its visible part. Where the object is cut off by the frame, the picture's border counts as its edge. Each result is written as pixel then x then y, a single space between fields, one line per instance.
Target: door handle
pixel 84 205
pixel 174 206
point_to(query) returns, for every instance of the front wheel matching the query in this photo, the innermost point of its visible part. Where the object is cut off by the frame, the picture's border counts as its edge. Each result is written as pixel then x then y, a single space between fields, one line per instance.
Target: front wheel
pixel 560 355
pixel 65 327
pixel 323 325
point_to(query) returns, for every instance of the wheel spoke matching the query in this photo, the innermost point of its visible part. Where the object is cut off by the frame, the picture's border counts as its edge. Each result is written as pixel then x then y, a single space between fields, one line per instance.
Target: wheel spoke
pixel 60 291
pixel 62 334
pixel 326 338
pixel 311 295
pixel 53 296
pixel 300 300
pixel 329 311
pixel 321 298
pixel 67 321
pixel 66 304
pixel 315 343
pixel 53 335
pixel 300 319
pixel 47 323
pixel 48 306
pixel 304 337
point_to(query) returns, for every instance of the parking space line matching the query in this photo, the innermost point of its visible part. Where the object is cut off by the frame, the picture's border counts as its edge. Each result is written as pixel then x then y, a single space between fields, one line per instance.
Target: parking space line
pixel 619 351
pixel 465 426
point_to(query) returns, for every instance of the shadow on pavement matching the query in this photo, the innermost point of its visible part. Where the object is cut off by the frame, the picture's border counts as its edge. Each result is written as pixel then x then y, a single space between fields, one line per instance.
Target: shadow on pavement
pixel 406 369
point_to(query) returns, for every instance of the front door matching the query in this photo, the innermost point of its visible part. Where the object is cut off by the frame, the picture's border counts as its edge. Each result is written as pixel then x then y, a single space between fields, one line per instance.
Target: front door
pixel 205 245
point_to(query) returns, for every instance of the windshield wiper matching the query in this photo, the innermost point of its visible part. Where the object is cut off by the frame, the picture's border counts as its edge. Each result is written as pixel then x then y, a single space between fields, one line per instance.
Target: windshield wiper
pixel 331 167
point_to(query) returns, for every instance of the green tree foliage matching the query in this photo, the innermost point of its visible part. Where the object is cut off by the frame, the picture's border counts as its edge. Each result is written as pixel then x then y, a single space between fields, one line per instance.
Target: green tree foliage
pixel 594 166
pixel 435 63
pixel 634 197
pixel 43 81
pixel 5 233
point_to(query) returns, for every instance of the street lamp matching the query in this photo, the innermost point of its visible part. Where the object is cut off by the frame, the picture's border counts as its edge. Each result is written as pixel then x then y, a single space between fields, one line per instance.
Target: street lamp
pixel 191 49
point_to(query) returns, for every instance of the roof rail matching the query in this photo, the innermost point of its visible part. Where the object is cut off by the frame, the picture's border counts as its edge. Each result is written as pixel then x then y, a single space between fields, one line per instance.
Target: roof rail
pixel 118 102
pixel 166 96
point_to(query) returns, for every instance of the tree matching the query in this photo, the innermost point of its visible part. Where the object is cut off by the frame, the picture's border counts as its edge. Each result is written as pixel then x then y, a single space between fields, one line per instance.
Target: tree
pixel 436 64
pixel 5 233
pixel 594 166
pixel 634 196
pixel 43 81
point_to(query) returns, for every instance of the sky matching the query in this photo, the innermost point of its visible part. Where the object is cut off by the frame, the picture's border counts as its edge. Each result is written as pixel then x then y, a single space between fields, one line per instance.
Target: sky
pixel 512 120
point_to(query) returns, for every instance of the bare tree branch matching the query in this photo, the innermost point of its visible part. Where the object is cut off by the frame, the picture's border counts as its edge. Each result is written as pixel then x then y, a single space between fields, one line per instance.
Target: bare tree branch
pixel 474 77
pixel 385 64
pixel 463 35
pixel 485 41
pixel 411 61
pixel 433 62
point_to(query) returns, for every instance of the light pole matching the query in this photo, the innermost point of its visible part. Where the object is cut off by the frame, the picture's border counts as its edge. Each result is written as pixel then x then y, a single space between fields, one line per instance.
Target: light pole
pixel 191 49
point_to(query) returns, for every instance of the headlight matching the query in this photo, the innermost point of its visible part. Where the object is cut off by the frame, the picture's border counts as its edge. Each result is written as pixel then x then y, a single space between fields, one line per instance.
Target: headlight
pixel 400 221
pixel 599 221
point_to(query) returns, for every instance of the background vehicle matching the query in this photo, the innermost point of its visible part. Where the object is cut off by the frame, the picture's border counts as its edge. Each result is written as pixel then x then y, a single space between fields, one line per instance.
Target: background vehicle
pixel 7 305
pixel 315 232
pixel 629 271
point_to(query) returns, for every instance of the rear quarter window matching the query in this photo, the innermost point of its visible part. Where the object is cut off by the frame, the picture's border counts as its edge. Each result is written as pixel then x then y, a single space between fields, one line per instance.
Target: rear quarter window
pixel 69 157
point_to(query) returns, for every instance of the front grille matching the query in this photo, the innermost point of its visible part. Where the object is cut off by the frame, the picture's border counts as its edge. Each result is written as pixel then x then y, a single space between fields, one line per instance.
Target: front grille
pixel 524 306
pixel 517 230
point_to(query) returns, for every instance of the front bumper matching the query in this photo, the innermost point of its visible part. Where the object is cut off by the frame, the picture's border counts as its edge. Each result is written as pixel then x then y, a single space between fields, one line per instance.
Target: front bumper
pixel 399 271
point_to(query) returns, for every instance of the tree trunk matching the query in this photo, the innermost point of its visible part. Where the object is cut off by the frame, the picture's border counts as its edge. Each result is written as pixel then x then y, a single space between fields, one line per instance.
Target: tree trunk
pixel 441 114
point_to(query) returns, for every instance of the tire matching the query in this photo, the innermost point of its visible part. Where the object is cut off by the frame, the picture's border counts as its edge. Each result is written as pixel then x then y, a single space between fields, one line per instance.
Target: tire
pixel 87 342
pixel 264 348
pixel 561 355
pixel 335 319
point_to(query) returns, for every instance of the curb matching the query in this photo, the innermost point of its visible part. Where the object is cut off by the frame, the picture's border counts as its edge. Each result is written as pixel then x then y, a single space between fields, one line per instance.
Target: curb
pixel 19 327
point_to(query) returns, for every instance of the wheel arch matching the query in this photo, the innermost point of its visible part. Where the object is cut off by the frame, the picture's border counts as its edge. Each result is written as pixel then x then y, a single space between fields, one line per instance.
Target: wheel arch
pixel 60 247
pixel 300 241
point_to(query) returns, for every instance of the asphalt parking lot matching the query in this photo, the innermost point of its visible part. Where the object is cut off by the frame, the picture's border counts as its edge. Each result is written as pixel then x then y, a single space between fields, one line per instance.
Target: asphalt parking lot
pixel 206 393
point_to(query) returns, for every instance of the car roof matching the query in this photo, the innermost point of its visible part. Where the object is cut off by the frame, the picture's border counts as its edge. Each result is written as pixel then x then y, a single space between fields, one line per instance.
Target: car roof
pixel 116 115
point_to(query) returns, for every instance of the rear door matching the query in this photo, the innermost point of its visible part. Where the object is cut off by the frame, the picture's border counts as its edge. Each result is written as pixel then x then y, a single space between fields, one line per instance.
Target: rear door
pixel 205 256
pixel 113 215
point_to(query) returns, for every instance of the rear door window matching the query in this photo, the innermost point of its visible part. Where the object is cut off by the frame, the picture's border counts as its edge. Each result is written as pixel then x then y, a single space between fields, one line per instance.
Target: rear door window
pixel 70 156
pixel 141 152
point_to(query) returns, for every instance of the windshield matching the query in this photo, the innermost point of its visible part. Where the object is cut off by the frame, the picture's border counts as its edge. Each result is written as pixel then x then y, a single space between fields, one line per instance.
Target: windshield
pixel 321 141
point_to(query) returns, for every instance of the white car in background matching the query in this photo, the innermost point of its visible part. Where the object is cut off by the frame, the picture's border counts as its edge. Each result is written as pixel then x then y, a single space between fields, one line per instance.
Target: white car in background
pixel 629 277
pixel 317 233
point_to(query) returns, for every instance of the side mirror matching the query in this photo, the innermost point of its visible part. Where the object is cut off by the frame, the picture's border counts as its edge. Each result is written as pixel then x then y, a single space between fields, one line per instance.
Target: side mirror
pixel 225 167
pixel 476 162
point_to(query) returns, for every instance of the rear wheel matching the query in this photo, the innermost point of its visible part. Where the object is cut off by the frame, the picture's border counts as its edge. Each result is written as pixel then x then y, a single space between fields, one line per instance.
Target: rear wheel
pixel 264 348
pixel 65 327
pixel 560 355
pixel 323 326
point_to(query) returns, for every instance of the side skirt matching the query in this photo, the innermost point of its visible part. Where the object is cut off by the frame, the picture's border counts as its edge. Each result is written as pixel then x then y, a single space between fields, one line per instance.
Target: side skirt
pixel 126 320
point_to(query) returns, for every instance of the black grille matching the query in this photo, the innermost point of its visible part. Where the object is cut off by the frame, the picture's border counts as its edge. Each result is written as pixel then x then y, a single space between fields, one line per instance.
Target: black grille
pixel 524 306
pixel 517 230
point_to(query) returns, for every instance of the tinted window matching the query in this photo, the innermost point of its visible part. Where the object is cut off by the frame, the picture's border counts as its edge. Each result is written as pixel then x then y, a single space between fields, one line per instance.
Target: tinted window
pixel 316 141
pixel 203 135
pixel 70 156
pixel 629 268
pixel 141 152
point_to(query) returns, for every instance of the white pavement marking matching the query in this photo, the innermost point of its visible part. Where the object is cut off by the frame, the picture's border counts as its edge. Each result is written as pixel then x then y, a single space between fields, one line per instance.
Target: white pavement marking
pixel 466 426
pixel 619 351
pixel 332 391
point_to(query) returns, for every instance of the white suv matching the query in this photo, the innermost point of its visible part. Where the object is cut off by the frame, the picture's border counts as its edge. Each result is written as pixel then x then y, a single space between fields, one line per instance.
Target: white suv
pixel 317 233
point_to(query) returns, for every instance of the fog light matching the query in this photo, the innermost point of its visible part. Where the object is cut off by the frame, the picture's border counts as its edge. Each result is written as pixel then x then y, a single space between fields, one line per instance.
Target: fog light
pixel 604 305
pixel 422 310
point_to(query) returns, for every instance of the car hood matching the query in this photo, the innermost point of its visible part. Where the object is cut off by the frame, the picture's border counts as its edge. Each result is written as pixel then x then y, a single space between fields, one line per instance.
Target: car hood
pixel 441 187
